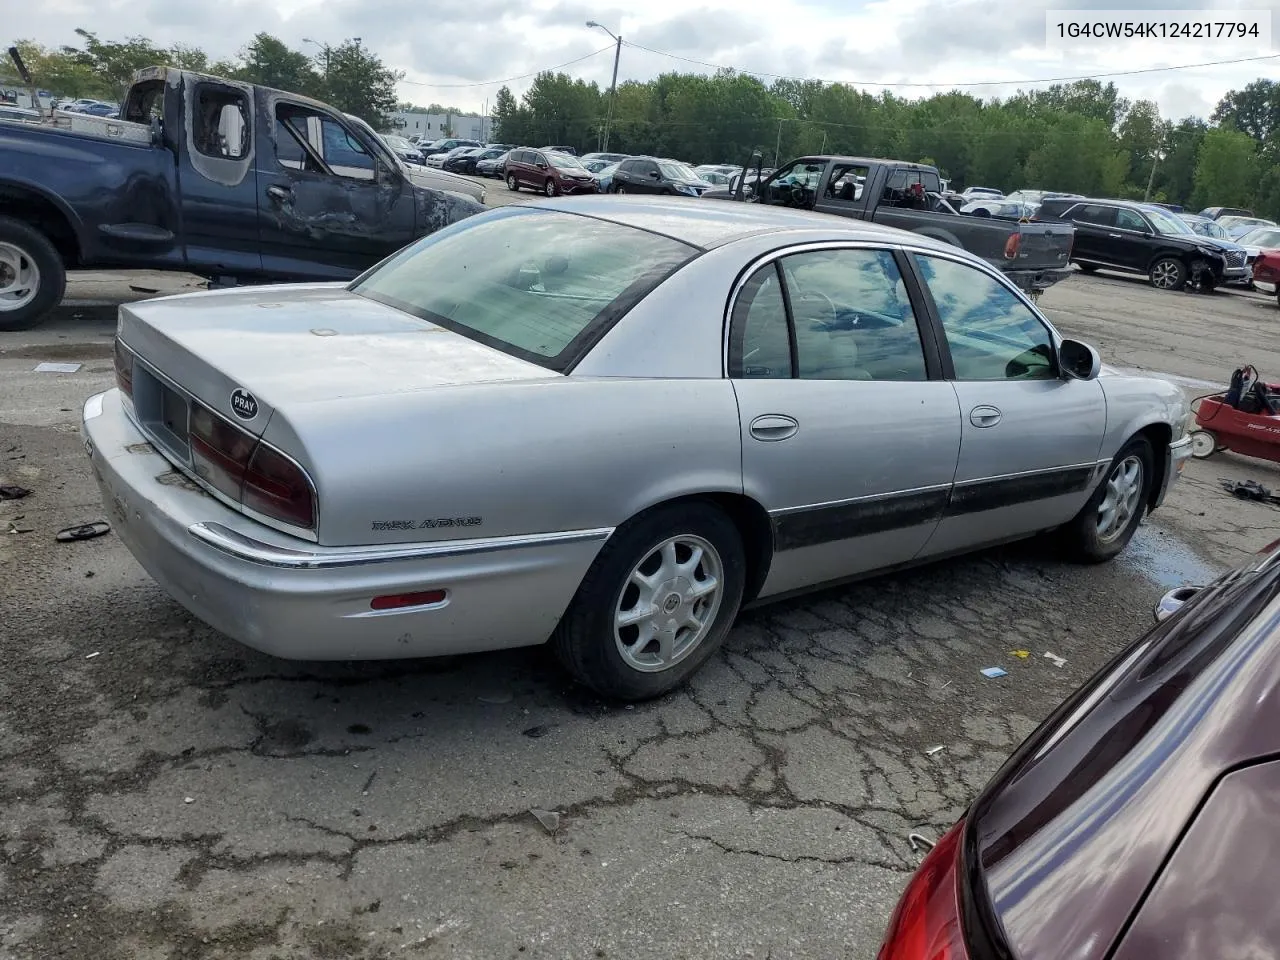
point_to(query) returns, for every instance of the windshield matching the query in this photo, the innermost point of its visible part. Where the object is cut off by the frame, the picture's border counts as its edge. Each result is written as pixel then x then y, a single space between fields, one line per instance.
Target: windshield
pixel 1167 223
pixel 562 161
pixel 540 285
pixel 1261 237
pixel 676 171
pixel 1207 228
pixel 398 142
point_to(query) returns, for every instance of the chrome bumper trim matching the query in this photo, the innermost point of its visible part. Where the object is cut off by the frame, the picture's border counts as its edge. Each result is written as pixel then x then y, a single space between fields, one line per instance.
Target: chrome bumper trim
pixel 265 554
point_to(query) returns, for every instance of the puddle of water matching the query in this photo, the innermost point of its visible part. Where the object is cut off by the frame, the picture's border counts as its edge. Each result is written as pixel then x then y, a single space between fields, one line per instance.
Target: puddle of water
pixel 1167 561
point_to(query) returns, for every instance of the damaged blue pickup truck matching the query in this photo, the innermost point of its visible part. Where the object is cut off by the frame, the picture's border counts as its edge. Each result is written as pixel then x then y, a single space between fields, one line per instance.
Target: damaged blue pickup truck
pixel 227 180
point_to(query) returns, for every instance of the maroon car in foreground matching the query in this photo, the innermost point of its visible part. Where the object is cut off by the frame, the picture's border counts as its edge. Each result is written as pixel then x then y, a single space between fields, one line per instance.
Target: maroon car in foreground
pixel 1137 822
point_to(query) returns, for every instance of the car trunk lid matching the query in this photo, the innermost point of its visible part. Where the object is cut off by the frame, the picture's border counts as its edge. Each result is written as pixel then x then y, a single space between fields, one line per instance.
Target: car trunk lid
pixel 1044 245
pixel 243 353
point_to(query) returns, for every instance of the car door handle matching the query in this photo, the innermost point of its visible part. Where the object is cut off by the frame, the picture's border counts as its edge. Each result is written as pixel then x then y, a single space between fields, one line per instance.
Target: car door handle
pixel 985 416
pixel 1117 236
pixel 276 192
pixel 773 426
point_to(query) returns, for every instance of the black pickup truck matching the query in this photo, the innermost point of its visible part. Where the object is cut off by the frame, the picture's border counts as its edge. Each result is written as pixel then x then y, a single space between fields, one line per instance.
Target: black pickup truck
pixel 908 196
pixel 223 179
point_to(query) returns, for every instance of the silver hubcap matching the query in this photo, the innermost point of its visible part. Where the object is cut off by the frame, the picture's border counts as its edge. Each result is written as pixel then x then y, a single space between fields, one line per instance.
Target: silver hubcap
pixel 668 604
pixel 1165 274
pixel 551 189
pixel 19 277
pixel 1121 499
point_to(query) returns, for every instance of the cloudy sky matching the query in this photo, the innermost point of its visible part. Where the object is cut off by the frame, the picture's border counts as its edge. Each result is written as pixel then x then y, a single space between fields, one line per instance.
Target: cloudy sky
pixel 453 49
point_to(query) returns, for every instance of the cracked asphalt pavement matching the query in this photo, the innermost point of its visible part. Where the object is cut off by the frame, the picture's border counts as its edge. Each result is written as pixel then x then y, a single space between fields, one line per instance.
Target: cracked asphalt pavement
pixel 166 793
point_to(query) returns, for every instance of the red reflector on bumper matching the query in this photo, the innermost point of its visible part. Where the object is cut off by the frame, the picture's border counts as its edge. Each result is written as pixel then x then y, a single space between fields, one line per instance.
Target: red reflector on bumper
pixel 394 601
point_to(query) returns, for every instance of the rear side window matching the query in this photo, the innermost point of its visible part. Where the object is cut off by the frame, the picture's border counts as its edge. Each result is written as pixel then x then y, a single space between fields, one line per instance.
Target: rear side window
pixel 1094 213
pixel 542 286
pixel 220 125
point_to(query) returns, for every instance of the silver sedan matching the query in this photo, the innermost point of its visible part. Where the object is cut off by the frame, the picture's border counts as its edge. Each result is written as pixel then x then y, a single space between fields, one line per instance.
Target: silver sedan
pixel 611 423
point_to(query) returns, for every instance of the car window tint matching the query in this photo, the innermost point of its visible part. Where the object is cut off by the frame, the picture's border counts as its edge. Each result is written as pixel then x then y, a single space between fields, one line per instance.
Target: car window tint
pixel 1128 220
pixel 853 319
pixel 1094 213
pixel 760 346
pixel 535 285
pixel 991 333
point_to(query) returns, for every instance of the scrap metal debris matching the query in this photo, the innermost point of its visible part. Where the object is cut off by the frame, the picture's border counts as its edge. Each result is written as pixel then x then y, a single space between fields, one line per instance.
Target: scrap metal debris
pixel 94 654
pixel 83 531
pixel 992 672
pixel 1249 490
pixel 938 749
pixel 549 819
pixel 11 491
pixel 919 841
pixel 1057 660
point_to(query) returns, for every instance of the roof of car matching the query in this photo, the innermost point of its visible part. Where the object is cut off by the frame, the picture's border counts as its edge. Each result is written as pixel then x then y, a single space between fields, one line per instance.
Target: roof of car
pixel 714 223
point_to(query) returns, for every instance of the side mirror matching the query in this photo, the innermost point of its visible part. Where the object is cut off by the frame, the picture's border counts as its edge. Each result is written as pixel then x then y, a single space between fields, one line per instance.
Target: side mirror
pixel 655 174
pixel 1079 361
pixel 541 165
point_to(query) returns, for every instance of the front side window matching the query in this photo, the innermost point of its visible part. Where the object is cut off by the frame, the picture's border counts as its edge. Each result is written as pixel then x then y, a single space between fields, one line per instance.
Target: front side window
pixel 991 333
pixel 847 310
pixel 341 151
pixel 1094 213
pixel 1128 220
pixel 538 285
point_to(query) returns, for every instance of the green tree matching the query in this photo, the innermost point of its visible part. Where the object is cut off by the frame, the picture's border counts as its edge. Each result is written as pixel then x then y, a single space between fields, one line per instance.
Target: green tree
pixel 510 122
pixel 357 82
pixel 116 62
pixel 1143 133
pixel 270 62
pixel 1255 110
pixel 1227 171
pixel 57 71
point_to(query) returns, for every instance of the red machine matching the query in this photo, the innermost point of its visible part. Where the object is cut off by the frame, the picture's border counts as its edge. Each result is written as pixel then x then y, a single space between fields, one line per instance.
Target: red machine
pixel 1245 419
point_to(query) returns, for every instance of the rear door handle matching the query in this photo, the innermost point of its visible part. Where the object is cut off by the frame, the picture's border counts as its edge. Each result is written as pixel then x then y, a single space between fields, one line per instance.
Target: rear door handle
pixel 774 426
pixel 985 416
pixel 279 193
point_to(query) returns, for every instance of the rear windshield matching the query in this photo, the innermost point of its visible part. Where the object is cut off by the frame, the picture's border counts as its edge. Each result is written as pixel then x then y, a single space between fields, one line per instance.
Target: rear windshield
pixel 540 285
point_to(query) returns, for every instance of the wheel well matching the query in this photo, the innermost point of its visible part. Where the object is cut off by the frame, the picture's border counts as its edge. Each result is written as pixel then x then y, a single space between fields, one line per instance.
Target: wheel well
pixel 1160 435
pixel 752 521
pixel 40 212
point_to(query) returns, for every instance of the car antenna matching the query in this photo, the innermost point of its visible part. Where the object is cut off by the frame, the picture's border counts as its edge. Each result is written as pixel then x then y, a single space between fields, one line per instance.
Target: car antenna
pixel 26 78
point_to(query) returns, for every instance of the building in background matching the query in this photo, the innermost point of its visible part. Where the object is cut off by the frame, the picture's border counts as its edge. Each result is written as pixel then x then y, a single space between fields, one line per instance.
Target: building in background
pixel 435 126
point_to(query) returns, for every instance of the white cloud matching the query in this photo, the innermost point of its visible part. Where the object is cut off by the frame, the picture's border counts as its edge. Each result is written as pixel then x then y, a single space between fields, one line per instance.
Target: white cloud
pixel 448 44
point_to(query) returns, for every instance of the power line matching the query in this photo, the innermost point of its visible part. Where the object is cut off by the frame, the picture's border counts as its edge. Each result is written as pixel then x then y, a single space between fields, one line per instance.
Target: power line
pixel 972 83
pixel 523 76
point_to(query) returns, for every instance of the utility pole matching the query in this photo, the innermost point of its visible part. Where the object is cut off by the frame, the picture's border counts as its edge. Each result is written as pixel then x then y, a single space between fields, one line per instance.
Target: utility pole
pixel 613 85
pixel 777 147
pixel 1155 158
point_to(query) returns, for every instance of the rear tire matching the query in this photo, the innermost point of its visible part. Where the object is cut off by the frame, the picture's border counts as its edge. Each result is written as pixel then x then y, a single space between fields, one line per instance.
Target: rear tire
pixel 32 270
pixel 1105 525
pixel 1087 268
pixel 614 660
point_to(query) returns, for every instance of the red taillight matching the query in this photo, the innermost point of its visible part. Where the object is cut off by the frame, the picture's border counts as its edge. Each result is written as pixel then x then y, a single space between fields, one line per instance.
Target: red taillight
pixel 1011 246
pixel 251 473
pixel 926 923
pixel 124 369
pixel 396 601
pixel 276 486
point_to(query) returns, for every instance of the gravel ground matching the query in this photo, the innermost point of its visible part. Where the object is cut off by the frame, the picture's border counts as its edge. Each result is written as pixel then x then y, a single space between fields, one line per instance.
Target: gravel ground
pixel 166 793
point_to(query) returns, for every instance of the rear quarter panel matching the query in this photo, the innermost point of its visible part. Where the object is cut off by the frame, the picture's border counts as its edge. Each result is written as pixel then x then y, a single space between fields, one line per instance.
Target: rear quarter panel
pixel 503 459
pixel 94 182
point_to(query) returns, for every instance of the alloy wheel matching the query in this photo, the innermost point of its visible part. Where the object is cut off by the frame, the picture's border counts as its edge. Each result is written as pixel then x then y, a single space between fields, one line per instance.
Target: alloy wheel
pixel 668 604
pixel 19 277
pixel 1165 275
pixel 1121 499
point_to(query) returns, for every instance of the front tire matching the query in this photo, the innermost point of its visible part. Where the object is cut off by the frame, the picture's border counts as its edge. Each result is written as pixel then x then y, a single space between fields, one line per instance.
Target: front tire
pixel 1106 524
pixel 32 276
pixel 1168 273
pixel 512 183
pixel 656 603
pixel 549 188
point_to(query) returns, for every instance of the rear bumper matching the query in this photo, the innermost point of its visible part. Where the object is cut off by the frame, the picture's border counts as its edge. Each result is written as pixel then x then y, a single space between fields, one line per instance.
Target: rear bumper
pixel 300 601
pixel 1037 281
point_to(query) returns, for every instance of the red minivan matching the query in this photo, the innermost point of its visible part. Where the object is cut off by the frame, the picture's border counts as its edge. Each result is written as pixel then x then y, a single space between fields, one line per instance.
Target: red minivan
pixel 548 172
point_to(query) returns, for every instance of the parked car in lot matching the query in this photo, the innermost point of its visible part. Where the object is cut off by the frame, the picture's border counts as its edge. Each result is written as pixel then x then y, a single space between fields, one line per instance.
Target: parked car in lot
pixel 1266 272
pixel 428 177
pixel 656 175
pixel 1239 226
pixel 240 182
pixel 548 172
pixel 1038 197
pixel 1136 238
pixel 467 162
pixel 1003 209
pixel 22 114
pixel 587 158
pixel 1217 213
pixel 1259 239
pixel 494 166
pixel 570 151
pixel 981 193
pixel 403 149
pixel 604 177
pixel 1135 822
pixel 894 400
pixel 907 195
